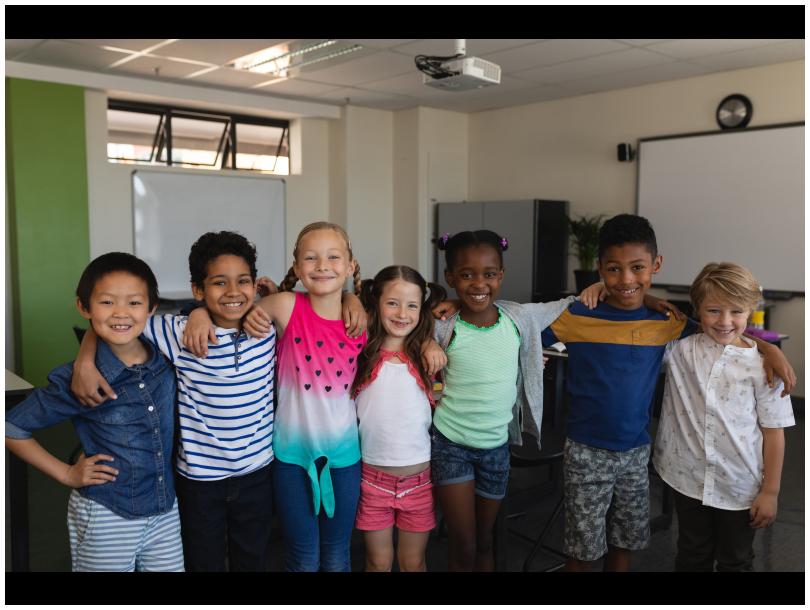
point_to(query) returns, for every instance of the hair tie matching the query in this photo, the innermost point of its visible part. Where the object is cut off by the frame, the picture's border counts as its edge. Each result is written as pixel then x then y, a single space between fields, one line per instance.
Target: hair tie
pixel 445 238
pixel 504 243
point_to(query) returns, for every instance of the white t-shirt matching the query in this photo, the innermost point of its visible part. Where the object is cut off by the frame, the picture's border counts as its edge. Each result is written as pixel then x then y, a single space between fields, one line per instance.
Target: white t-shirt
pixel 709 443
pixel 394 417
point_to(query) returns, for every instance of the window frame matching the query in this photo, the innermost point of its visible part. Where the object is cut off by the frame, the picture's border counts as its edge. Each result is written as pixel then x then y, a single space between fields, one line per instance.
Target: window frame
pixel 227 147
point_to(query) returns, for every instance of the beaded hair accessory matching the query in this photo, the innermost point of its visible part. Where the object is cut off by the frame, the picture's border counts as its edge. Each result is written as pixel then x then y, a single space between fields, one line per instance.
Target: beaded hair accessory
pixel 444 238
pixel 504 243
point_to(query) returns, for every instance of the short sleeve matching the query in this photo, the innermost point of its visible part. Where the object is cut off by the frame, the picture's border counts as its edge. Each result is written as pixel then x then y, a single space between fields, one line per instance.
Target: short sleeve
pixel 773 410
pixel 166 332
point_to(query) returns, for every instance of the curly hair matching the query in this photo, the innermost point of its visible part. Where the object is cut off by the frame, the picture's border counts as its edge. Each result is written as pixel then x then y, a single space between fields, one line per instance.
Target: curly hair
pixel 370 294
pixel 290 280
pixel 470 239
pixel 211 245
pixel 627 229
pixel 109 263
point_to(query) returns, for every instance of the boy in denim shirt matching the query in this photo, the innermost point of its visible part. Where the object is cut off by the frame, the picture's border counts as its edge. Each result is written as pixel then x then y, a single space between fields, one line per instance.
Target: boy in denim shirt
pixel 122 512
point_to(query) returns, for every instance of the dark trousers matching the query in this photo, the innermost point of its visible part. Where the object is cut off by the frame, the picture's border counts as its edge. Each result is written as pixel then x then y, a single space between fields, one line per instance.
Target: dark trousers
pixel 707 534
pixel 226 518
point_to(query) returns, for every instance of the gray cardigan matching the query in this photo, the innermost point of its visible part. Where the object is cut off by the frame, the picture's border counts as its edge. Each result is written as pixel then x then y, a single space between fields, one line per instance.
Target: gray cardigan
pixel 530 320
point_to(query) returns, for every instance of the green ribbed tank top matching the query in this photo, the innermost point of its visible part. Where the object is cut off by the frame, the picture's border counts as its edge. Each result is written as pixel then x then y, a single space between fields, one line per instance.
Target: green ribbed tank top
pixel 480 384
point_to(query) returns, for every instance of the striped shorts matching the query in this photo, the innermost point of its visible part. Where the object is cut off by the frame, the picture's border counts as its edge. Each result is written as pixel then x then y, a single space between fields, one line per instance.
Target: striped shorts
pixel 101 541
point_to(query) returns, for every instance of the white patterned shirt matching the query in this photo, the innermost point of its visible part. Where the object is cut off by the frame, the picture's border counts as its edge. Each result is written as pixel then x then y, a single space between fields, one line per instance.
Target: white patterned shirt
pixel 709 443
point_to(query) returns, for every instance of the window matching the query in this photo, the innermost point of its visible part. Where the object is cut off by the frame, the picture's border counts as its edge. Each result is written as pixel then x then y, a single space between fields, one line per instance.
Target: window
pixel 184 137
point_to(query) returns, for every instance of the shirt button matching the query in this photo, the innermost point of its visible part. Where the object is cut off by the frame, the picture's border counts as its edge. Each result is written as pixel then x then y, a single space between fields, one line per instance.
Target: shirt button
pixel 159 453
pixel 239 357
pixel 150 408
pixel 156 430
pixel 141 386
pixel 160 478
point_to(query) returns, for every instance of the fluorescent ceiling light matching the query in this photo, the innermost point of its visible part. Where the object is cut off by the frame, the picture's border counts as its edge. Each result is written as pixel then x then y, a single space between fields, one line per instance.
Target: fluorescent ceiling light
pixel 286 59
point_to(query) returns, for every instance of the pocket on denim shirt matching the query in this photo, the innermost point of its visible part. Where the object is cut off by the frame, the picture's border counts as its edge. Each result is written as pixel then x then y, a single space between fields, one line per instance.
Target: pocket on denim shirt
pixel 121 411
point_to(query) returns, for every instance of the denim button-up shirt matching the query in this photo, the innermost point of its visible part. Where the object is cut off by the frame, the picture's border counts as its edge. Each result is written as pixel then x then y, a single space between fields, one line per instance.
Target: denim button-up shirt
pixel 137 429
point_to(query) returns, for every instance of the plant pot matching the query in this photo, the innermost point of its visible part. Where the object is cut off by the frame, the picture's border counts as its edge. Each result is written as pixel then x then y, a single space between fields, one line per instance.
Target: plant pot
pixel 585 278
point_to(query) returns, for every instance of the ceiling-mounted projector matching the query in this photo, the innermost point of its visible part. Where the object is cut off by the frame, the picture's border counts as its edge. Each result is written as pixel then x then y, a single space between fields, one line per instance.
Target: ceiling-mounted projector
pixel 457 72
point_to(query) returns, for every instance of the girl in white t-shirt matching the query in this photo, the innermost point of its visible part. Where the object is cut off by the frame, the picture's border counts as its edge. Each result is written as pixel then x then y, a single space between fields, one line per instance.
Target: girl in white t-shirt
pixel 393 395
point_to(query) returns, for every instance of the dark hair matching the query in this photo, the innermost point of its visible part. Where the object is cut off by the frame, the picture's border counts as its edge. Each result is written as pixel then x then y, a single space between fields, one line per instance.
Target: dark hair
pixel 370 293
pixel 627 229
pixel 109 263
pixel 470 239
pixel 211 245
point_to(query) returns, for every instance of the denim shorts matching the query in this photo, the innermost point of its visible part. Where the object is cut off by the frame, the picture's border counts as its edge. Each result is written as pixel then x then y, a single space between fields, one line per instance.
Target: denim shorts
pixel 453 463
pixel 606 499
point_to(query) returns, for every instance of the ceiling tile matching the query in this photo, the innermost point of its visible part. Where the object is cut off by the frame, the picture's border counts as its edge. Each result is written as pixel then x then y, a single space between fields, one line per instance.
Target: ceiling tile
pixel 71 55
pixel 771 54
pixel 297 86
pixel 145 66
pixel 551 52
pixel 16 47
pixel 379 43
pixel 361 97
pixel 619 61
pixel 379 65
pixel 130 44
pixel 642 42
pixel 699 47
pixel 216 51
pixel 648 75
pixel 228 77
pixel 475 46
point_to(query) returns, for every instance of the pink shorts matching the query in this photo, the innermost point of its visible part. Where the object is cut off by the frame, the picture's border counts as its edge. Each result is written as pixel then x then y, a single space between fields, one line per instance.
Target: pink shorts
pixel 387 500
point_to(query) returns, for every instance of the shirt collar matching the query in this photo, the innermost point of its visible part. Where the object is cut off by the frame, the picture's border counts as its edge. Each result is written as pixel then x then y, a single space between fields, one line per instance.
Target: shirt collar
pixel 110 366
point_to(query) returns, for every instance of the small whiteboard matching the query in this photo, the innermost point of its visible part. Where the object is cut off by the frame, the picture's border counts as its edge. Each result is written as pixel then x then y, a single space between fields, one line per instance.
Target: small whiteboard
pixel 171 210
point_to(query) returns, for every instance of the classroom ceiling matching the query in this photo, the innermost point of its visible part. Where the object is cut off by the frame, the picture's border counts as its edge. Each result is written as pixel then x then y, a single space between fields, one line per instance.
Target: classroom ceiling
pixel 383 75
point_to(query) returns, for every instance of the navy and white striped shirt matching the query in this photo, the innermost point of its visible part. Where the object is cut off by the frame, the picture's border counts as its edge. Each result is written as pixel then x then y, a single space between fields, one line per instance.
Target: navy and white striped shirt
pixel 225 401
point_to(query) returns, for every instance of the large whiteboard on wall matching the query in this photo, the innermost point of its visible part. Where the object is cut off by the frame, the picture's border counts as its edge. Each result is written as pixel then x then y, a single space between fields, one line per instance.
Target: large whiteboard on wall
pixel 727 196
pixel 172 209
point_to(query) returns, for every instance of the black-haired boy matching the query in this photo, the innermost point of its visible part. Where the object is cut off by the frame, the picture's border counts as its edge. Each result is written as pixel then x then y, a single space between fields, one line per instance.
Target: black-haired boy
pixel 122 512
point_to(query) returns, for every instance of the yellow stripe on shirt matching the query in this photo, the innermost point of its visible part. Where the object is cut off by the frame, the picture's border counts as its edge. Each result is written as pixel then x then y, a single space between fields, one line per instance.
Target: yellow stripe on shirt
pixel 570 328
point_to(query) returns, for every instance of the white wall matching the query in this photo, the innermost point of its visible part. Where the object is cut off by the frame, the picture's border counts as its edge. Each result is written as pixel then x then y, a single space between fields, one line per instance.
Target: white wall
pixel 566 149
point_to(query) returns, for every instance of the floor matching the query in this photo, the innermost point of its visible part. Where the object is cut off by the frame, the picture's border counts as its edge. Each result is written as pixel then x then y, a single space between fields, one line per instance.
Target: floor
pixel 779 548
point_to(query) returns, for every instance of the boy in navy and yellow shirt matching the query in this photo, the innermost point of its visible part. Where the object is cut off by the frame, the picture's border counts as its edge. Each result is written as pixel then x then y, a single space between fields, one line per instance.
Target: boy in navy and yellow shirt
pixel 614 358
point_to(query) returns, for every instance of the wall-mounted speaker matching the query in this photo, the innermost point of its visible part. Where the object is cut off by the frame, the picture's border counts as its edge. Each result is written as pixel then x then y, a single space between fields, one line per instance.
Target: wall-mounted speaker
pixel 625 152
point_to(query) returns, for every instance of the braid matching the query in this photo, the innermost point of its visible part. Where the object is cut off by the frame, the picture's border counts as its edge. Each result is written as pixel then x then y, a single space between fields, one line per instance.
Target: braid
pixel 289 281
pixel 357 281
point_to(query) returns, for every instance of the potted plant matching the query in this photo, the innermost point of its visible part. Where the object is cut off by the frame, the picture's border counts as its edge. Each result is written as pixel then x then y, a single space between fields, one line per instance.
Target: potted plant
pixel 585 241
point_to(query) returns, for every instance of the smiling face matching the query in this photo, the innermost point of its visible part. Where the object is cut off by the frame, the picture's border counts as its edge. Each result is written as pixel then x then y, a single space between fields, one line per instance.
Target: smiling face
pixel 723 321
pixel 228 290
pixel 399 308
pixel 476 277
pixel 118 309
pixel 627 271
pixel 323 262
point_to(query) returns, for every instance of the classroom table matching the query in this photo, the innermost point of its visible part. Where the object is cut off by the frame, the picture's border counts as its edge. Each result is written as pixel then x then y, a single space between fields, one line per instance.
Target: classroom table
pixel 17 389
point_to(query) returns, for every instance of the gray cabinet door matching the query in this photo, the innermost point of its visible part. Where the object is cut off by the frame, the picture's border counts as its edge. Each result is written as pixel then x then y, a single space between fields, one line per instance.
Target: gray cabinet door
pixel 514 220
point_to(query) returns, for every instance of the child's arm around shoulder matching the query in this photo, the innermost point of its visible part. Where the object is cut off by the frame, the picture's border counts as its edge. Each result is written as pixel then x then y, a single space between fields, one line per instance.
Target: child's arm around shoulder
pixel 775 363
pixel 87 383
pixel 272 309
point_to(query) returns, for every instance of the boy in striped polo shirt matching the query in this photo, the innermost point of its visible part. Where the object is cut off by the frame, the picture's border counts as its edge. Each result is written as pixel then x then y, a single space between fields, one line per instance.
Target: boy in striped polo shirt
pixel 122 512
pixel 614 357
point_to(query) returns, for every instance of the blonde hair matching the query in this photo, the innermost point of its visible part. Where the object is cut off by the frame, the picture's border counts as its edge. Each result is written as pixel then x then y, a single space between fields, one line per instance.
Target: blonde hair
pixel 290 280
pixel 727 281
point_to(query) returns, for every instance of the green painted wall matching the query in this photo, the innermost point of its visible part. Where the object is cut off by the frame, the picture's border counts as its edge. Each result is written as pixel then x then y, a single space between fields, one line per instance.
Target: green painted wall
pixel 46 173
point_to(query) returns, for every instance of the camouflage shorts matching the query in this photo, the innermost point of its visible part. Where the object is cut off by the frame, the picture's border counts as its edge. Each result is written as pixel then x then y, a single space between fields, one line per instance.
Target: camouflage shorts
pixel 606 499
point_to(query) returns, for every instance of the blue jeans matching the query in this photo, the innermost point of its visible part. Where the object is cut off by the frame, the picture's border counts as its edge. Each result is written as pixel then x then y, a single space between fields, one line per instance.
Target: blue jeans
pixel 226 517
pixel 315 542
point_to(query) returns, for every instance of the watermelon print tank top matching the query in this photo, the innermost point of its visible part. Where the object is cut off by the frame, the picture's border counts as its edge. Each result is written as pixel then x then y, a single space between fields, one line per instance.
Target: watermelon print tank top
pixel 316 416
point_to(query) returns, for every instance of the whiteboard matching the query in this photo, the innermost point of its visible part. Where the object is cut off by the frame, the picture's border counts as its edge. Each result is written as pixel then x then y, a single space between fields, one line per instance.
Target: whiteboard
pixel 727 196
pixel 171 210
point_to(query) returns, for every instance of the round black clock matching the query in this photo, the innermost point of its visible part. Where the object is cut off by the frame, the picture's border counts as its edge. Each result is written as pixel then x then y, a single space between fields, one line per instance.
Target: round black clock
pixel 734 111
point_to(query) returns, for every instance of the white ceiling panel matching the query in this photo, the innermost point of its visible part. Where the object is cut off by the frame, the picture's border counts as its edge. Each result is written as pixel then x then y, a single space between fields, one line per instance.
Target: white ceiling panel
pixel 599 65
pixel 698 47
pixel 379 43
pixel 551 52
pixel 379 65
pixel 17 46
pixel 362 97
pixel 651 74
pixel 131 44
pixel 475 46
pixel 642 42
pixel 297 86
pixel 71 55
pixel 217 51
pixel 227 77
pixel 166 68
pixel 787 51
